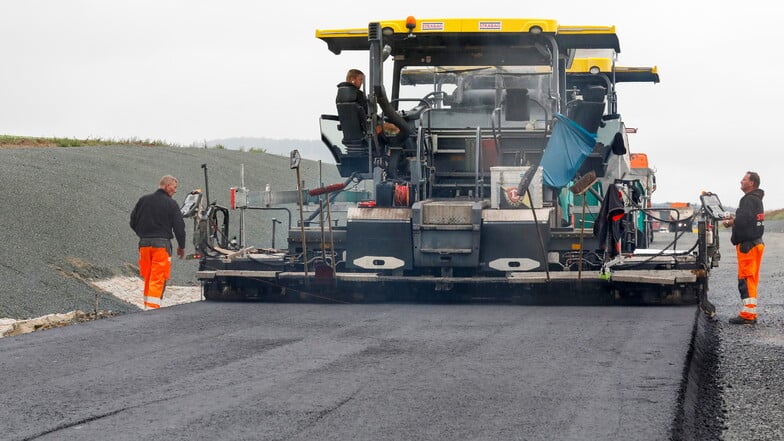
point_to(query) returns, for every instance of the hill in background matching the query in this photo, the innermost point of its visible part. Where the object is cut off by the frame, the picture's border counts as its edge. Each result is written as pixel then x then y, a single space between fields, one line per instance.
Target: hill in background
pixel 66 212
pixel 308 148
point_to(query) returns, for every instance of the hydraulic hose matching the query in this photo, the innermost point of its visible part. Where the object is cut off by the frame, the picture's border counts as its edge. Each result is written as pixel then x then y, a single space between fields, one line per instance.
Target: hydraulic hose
pixel 391 114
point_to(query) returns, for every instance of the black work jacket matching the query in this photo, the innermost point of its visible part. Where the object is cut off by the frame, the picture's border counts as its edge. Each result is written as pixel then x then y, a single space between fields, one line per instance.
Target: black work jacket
pixel 749 223
pixel 607 227
pixel 157 215
pixel 349 93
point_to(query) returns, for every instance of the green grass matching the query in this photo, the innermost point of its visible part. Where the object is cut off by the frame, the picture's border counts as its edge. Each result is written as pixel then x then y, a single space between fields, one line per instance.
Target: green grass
pixel 28 141
pixel 775 214
pixel 8 141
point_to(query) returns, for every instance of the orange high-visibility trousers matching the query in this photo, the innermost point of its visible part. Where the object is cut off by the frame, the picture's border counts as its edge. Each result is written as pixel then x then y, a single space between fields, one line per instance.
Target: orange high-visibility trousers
pixel 155 269
pixel 748 279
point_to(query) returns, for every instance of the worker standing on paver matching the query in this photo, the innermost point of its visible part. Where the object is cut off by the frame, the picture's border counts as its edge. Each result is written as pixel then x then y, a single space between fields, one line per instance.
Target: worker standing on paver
pixel 156 218
pixel 747 229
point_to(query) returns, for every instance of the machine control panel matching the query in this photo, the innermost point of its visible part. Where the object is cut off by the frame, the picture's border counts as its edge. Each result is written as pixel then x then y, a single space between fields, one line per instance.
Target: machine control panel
pixel 713 208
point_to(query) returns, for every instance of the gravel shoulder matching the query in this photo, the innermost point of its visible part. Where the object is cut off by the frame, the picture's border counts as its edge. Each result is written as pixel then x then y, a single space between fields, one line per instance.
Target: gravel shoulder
pixel 750 371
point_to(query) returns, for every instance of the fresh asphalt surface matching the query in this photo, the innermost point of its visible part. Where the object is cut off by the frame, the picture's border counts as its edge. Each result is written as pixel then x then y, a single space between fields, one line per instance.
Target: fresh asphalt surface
pixel 335 372
pixel 275 371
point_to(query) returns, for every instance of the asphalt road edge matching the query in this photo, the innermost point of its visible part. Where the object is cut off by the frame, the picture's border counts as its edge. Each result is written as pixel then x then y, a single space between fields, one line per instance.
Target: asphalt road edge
pixel 700 413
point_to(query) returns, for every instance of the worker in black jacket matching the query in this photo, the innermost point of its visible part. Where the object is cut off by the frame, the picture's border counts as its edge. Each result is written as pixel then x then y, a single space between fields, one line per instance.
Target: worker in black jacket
pixel 351 91
pixel 154 218
pixel 748 225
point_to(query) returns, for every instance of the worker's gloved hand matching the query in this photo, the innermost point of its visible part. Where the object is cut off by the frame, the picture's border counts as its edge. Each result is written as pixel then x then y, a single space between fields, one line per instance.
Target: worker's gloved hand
pixel 181 253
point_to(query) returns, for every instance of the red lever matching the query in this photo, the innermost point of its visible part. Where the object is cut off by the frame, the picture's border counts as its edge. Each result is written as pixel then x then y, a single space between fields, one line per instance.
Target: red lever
pixel 327 189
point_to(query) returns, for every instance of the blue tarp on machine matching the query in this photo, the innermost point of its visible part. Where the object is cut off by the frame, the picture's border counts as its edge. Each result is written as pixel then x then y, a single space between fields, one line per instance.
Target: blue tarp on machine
pixel 566 150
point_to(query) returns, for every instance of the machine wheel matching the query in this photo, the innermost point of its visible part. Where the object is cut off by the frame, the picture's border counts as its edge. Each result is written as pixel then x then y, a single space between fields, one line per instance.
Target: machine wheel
pixel 222 292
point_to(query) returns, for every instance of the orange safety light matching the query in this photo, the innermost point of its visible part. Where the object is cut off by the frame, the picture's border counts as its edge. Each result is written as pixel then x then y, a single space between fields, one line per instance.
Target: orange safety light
pixel 639 160
pixel 410 23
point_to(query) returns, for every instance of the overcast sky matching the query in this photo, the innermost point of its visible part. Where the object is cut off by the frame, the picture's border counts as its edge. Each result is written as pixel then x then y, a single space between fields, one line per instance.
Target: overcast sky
pixel 194 70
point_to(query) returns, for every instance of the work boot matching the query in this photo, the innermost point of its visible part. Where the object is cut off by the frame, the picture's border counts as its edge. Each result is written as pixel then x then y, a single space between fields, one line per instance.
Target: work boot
pixel 742 321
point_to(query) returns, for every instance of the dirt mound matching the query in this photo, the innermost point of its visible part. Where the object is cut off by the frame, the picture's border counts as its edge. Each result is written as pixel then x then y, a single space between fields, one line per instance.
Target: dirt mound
pixel 10 327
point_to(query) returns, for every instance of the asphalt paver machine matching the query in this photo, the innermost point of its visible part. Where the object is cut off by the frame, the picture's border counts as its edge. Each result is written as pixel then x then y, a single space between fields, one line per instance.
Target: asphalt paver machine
pixel 492 169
